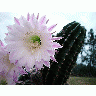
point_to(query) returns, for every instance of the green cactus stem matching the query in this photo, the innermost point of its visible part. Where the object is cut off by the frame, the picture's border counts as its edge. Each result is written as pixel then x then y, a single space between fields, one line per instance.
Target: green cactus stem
pixel 73 40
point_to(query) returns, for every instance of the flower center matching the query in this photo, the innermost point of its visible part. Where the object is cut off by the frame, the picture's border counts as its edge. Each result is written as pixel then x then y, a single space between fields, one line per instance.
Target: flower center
pixel 35 38
pixel 32 42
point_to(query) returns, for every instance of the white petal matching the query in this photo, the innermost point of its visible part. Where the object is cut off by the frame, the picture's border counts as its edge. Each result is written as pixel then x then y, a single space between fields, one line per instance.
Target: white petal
pixel 56 38
pixel 52 27
pixel 16 21
pixel 19 53
pixel 22 62
pixel 1 43
pixel 47 63
pixel 37 16
pixel 28 16
pixel 37 56
pixel 9 28
pixel 45 55
pixel 43 29
pixel 34 22
pixel 12 38
pixel 30 61
pixel 56 45
pixel 39 65
pixel 51 52
pixel 13 46
pixel 53 58
pixel 42 20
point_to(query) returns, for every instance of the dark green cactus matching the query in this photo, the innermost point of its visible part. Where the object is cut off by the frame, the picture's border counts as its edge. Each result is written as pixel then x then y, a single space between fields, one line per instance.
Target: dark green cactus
pixel 73 40
pixel 30 79
pixel 58 73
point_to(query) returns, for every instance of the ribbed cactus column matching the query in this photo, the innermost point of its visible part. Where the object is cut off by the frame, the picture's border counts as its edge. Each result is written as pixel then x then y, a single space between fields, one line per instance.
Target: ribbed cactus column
pixel 73 40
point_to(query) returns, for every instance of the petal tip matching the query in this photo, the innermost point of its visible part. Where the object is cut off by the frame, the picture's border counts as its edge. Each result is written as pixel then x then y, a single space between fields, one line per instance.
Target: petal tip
pixel 37 16
pixel 52 27
pixel 28 16
pixel 16 21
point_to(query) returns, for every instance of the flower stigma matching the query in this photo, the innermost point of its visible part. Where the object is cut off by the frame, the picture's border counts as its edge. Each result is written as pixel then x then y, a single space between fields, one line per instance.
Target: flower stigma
pixel 35 38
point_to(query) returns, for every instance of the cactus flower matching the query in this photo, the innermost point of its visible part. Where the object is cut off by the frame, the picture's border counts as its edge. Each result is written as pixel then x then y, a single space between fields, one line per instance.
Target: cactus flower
pixel 30 42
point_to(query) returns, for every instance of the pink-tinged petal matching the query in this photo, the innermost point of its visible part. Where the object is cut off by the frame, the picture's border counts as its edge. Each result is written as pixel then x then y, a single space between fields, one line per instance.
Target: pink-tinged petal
pixel 30 61
pixel 51 52
pixel 22 62
pixel 14 57
pixel 6 34
pixel 33 21
pixel 56 38
pixel 10 57
pixel 45 55
pixel 23 71
pixel 28 16
pixel 52 58
pixel 47 63
pixel 51 27
pixel 37 16
pixel 1 43
pixel 56 50
pixel 26 25
pixel 33 16
pixel 56 45
pixel 3 50
pixel 16 21
pixel 21 20
pixel 8 40
pixel 15 78
pixel 42 20
pixel 16 61
pixel 43 29
pixel 10 80
pixel 38 65
pixel 47 21
pixel 9 28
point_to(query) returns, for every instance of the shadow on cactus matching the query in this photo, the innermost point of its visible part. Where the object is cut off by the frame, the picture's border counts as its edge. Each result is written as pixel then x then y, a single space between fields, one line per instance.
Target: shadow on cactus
pixel 58 73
